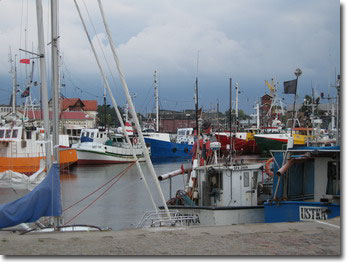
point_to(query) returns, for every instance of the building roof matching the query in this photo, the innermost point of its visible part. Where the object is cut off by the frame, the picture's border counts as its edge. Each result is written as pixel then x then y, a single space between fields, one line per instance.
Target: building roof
pixel 87 105
pixel 73 115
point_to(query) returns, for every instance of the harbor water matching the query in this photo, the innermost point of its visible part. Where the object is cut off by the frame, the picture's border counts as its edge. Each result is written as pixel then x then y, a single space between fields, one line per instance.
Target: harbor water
pixel 119 204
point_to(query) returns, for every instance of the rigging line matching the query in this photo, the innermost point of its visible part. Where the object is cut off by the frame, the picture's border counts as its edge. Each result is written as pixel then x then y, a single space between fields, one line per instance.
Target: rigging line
pixel 126 169
pixel 144 103
pixel 74 85
pixel 100 45
pixel 103 193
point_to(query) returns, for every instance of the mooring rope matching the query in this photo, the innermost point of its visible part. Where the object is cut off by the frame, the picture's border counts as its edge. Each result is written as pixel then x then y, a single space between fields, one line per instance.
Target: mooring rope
pixel 118 176
pixel 121 173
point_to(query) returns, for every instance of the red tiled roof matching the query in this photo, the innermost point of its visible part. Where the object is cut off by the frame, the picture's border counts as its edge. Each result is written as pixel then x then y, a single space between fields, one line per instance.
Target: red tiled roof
pixel 87 105
pixel 77 115
pixel 90 105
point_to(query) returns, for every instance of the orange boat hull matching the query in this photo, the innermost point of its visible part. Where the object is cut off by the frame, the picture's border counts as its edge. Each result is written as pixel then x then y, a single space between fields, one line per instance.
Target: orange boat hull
pixel 29 165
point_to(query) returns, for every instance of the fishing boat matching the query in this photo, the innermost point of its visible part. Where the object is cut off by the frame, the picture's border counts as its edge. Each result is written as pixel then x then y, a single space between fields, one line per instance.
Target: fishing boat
pixel 242 142
pixel 22 148
pixel 103 147
pixel 278 141
pixel 166 147
pixel 220 191
pixel 306 186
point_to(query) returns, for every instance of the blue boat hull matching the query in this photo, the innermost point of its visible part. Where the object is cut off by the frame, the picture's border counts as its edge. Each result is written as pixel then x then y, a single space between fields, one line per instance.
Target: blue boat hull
pixel 292 211
pixel 168 151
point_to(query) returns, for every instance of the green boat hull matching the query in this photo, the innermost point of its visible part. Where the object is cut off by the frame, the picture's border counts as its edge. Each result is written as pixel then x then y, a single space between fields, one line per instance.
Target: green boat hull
pixel 265 145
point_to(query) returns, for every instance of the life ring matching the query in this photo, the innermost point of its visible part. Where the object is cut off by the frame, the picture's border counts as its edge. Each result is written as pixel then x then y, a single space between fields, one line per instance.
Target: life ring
pixel 268 168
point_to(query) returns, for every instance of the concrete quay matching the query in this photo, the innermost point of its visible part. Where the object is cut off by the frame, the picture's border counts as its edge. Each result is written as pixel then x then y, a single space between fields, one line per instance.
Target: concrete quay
pixel 276 239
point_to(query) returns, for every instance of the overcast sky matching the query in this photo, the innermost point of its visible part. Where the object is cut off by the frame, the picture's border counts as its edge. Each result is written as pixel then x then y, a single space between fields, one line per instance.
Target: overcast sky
pixel 247 40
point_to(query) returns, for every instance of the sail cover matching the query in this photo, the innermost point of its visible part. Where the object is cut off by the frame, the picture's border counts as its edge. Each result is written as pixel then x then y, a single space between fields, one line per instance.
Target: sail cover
pixel 44 200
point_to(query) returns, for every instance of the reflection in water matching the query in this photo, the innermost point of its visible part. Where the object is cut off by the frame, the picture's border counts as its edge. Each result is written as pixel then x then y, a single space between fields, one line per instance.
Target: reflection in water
pixel 67 176
pixel 123 204
pixel 119 206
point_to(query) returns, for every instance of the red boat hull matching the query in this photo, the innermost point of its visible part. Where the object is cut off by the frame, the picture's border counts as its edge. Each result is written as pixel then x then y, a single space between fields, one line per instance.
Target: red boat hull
pixel 241 146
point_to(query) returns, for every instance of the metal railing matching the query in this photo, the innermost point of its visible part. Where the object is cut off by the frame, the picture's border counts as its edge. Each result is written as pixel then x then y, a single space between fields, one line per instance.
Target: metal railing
pixel 160 218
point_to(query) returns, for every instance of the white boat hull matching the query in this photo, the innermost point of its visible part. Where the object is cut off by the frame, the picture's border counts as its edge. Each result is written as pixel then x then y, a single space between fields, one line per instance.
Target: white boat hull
pixel 91 153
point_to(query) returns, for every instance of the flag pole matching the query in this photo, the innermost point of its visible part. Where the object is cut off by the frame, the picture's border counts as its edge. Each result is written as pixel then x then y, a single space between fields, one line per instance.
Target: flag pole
pixel 298 73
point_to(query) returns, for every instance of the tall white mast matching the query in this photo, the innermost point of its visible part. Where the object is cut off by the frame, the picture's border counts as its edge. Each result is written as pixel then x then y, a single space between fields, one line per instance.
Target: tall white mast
pixel 116 107
pixel 43 73
pixel 133 112
pixel 237 105
pixel 14 82
pixel 156 95
pixel 55 77
pixel 258 116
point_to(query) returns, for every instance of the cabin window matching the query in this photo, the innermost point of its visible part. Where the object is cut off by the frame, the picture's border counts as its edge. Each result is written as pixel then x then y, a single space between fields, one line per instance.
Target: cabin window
pixel 100 135
pixel 8 133
pixel 181 132
pixel 216 179
pixel 91 135
pixel 254 179
pixel 28 134
pixel 246 179
pixel 2 132
pixel 83 134
pixel 333 180
pixel 87 135
pixel 15 133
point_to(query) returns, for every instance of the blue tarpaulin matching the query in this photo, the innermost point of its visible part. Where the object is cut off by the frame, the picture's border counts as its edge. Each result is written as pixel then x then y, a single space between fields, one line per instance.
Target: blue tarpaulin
pixel 44 200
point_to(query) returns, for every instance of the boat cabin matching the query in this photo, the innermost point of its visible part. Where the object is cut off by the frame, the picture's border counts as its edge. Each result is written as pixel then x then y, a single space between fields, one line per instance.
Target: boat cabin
pixel 229 186
pixel 93 135
pixel 185 136
pixel 306 184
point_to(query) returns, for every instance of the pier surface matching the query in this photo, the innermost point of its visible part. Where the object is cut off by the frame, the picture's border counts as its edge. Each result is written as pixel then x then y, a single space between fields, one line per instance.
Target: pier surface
pixel 299 238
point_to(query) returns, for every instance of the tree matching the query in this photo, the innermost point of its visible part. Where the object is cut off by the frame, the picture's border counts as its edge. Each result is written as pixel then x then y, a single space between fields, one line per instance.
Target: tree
pixel 111 116
pixel 242 115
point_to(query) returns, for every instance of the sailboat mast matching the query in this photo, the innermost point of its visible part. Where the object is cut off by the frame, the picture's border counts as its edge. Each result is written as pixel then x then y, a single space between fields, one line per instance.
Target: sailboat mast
pixel 116 107
pixel 43 74
pixel 133 112
pixel 55 77
pixel 156 94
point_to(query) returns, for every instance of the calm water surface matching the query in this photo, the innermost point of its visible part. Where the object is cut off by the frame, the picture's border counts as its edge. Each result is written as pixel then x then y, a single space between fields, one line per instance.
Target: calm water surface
pixel 119 206
pixel 123 204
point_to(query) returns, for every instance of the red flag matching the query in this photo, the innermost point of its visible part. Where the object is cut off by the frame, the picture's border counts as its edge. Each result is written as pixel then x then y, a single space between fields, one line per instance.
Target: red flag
pixel 24 61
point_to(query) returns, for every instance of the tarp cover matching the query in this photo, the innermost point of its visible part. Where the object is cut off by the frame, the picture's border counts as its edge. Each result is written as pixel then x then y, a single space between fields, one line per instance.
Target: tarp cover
pixel 44 200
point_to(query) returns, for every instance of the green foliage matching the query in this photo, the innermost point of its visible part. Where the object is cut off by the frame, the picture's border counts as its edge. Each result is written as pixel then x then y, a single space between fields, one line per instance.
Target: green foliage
pixel 111 116
pixel 242 115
